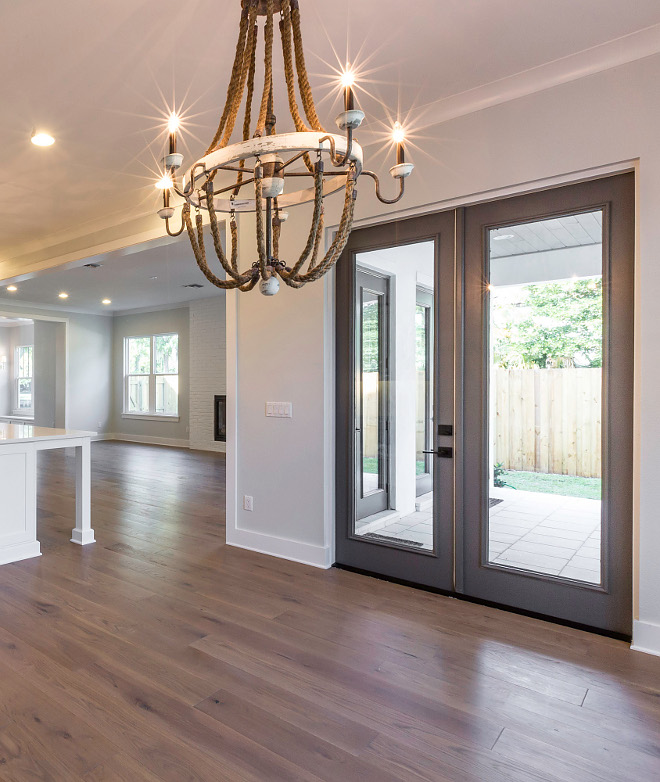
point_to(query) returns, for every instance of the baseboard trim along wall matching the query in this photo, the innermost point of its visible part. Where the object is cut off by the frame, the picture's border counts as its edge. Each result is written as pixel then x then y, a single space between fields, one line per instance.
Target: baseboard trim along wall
pixel 646 637
pixel 293 550
pixel 147 440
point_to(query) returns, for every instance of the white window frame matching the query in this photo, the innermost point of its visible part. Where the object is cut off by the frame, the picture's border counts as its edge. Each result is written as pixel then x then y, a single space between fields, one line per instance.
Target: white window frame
pixel 28 412
pixel 151 415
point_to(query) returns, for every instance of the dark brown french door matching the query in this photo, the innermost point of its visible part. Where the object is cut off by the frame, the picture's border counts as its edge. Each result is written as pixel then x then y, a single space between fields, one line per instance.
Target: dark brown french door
pixel 499 380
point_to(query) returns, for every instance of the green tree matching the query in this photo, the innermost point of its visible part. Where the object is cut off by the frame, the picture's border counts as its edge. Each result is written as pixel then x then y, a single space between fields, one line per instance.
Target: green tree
pixel 370 336
pixel 553 324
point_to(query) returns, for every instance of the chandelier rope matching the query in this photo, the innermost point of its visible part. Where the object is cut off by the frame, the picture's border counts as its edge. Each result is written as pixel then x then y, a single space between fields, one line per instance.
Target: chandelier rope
pixel 269 170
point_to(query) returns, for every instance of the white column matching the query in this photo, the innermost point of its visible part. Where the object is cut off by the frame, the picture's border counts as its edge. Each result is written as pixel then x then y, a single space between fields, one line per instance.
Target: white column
pixel 83 532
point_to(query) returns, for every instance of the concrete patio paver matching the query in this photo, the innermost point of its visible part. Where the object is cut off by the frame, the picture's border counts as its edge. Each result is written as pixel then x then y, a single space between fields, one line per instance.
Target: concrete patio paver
pixel 542 533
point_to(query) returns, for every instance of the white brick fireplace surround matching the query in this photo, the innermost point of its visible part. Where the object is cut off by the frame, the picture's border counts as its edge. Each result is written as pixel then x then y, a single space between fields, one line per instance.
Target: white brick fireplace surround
pixel 208 374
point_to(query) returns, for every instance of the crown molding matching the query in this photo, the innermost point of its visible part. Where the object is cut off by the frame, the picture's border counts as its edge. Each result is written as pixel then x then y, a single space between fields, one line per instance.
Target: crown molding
pixel 24 308
pixel 603 57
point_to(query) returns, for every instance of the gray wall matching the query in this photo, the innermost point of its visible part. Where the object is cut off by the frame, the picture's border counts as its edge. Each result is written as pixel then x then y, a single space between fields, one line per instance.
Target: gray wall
pixel 89 404
pixel 5 374
pixel 146 324
pixel 49 372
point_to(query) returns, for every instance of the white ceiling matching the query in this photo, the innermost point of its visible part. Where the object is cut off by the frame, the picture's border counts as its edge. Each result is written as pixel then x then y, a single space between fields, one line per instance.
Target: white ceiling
pixel 9 323
pixel 557 233
pixel 99 75
pixel 148 275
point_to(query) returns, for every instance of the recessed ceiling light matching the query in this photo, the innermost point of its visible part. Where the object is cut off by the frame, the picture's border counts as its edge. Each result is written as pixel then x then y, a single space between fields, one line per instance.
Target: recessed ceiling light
pixel 153 278
pixel 63 295
pixel 12 288
pixel 106 301
pixel 499 237
pixel 42 139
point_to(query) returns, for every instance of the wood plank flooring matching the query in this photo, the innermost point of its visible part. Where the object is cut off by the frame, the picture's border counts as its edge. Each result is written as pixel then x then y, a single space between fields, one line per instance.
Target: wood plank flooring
pixel 158 653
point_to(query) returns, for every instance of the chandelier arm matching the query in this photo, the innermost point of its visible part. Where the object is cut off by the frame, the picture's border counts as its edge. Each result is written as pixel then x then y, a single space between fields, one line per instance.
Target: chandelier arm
pixel 378 195
pixel 318 208
pixel 236 69
pixel 291 160
pixel 215 232
pixel 303 80
pixel 233 187
pixel 174 233
pixel 200 255
pixel 241 81
pixel 339 160
pixel 268 68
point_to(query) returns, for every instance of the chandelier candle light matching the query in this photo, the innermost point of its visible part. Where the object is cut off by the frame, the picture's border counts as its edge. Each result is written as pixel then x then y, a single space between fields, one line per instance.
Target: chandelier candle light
pixel 266 160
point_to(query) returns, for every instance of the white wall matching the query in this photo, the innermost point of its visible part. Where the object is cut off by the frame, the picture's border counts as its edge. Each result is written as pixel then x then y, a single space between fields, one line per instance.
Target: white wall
pixel 5 374
pixel 285 344
pixel 208 369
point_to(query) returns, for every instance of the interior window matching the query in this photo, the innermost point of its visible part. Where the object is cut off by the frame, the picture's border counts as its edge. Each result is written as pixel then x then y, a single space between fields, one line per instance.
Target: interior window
pixel 151 375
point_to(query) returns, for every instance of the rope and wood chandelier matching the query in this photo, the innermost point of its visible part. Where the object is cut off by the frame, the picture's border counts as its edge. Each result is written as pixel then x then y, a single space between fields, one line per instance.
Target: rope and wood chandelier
pixel 265 160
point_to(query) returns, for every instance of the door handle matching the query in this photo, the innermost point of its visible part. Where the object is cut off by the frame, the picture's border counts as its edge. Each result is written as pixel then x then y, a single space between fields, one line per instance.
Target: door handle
pixel 443 452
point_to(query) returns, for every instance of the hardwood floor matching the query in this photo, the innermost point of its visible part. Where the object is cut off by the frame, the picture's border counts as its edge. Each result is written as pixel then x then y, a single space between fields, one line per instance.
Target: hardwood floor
pixel 158 653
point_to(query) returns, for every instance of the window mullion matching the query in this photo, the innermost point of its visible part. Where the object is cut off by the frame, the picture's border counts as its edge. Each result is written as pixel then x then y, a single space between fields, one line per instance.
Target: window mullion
pixel 152 378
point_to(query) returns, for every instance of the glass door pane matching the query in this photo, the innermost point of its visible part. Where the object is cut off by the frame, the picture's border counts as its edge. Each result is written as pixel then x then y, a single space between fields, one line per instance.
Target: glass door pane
pixel 371 399
pixel 394 395
pixel 424 392
pixel 372 427
pixel 545 302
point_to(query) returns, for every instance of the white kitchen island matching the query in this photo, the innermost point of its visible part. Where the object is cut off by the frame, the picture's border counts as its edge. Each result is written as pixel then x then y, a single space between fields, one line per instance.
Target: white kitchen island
pixel 19 444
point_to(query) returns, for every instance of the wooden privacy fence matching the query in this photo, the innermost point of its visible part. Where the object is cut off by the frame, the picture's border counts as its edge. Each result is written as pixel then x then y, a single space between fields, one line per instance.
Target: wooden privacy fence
pixel 548 420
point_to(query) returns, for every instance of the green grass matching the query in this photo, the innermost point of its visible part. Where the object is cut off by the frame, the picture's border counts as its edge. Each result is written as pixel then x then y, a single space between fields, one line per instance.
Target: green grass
pixel 370 465
pixel 566 485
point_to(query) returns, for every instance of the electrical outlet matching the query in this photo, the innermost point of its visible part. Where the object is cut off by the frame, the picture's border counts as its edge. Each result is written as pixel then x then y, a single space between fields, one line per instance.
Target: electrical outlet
pixel 248 502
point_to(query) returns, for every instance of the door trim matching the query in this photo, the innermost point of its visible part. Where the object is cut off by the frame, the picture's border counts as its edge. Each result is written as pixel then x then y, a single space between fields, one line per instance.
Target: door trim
pixel 351 550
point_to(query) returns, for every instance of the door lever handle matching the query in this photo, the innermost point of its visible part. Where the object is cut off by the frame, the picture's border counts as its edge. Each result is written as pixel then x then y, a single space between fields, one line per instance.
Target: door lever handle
pixel 443 452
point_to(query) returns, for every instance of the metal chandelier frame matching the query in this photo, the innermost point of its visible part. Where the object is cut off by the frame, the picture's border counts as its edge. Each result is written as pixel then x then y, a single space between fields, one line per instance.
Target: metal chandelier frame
pixel 263 160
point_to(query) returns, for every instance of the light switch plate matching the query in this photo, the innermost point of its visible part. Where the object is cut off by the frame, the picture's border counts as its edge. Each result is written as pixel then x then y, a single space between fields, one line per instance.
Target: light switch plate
pixel 279 409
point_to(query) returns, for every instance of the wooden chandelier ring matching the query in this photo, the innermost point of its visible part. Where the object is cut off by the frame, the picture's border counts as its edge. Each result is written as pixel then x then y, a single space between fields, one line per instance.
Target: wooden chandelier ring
pixel 269 145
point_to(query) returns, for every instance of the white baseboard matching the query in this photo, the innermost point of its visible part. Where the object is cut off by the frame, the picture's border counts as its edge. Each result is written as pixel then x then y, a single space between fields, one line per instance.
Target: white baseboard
pixel 19 552
pixel 646 637
pixel 147 440
pixel 211 447
pixel 293 550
